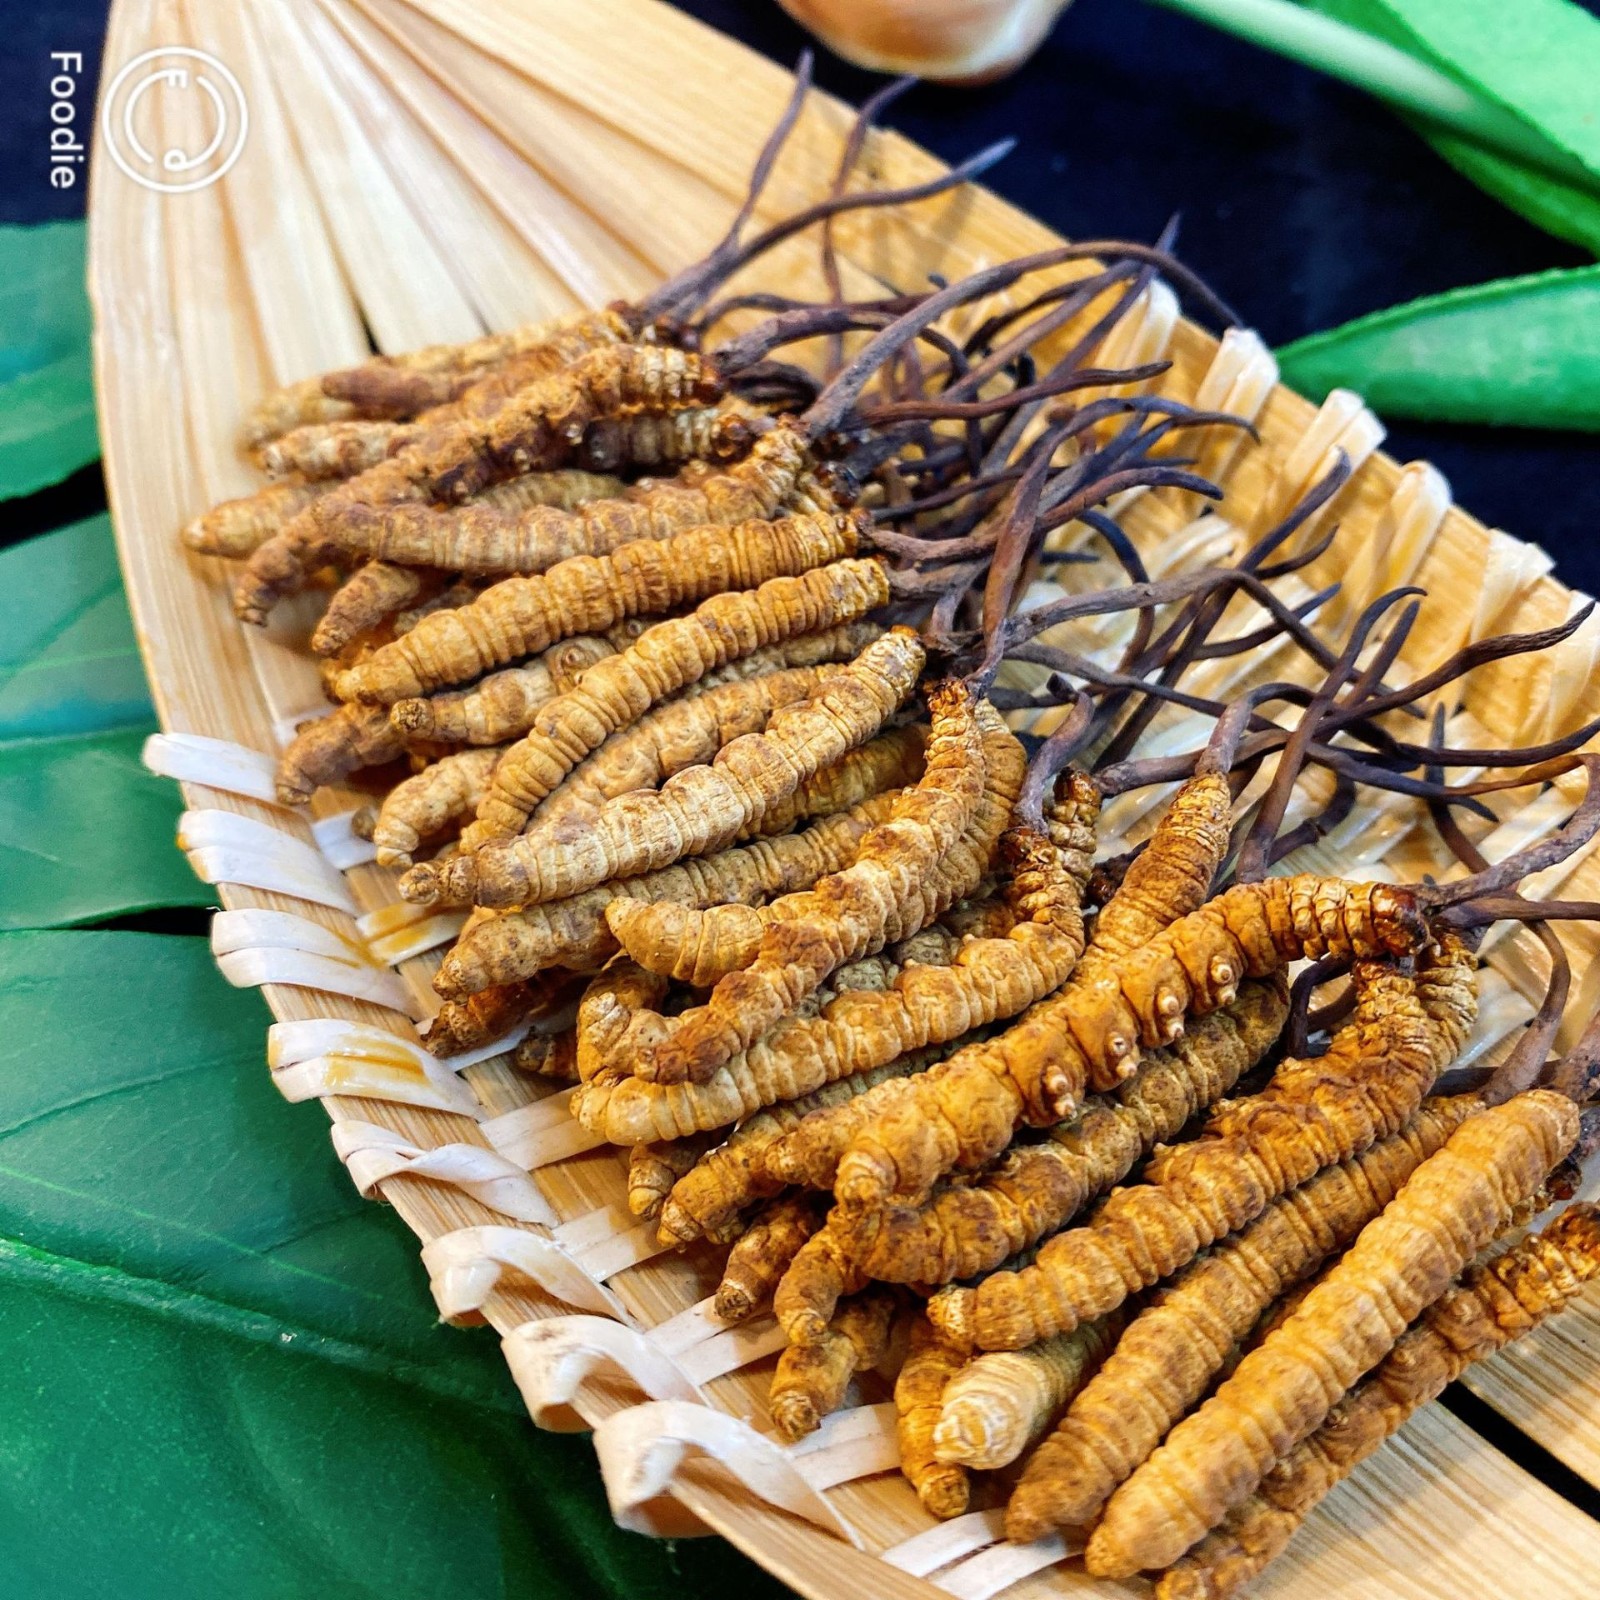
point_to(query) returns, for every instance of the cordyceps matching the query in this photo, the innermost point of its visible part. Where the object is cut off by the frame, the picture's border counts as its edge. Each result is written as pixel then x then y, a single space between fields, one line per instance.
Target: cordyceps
pixel 930 1364
pixel 574 933
pixel 966 1113
pixel 844 916
pixel 853 1033
pixel 701 947
pixel 1494 1304
pixel 706 807
pixel 810 1382
pixel 967 1229
pixel 1170 1352
pixel 587 594
pixel 1404 1032
pixel 735 699
pixel 422 807
pixel 511 400
pixel 673 655
pixel 1453 1205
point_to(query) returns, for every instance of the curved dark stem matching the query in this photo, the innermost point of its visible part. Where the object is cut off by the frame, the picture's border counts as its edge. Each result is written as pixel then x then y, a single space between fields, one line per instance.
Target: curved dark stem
pixel 871 109
pixel 1016 533
pixel 1582 826
pixel 843 391
pixel 1299 1028
pixel 1255 854
pixel 689 290
pixel 1523 1067
pixel 1196 621
pixel 1476 654
pixel 1445 756
pixel 1237 643
pixel 1492 908
pixel 714 268
pixel 1138 279
pixel 1045 389
pixel 1577 1073
pixel 1339 806
pixel 1060 746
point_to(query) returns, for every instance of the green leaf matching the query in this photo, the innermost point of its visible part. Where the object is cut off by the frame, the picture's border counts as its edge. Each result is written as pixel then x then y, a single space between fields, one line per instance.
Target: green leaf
pixel 85 832
pixel 1539 59
pixel 47 421
pixel 1519 352
pixel 220 1371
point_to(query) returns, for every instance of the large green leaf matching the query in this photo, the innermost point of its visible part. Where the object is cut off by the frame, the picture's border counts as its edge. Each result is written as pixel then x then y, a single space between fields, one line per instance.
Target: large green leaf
pixel 47 426
pixel 1538 58
pixel 1522 351
pixel 219 1369
pixel 85 832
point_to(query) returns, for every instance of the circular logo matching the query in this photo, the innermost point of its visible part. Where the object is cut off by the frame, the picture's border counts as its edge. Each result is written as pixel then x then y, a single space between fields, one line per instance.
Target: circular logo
pixel 135 126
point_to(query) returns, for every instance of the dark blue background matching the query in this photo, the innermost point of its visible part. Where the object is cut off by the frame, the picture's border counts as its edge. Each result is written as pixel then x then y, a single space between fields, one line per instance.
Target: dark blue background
pixel 1303 202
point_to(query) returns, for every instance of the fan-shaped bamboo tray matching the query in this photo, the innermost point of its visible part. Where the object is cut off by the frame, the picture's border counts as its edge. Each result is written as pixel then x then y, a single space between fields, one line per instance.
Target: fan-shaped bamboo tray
pixel 430 168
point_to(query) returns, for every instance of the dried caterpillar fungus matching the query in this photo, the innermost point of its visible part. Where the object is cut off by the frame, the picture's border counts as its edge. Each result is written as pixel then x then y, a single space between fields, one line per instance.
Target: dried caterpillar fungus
pixel 371 593
pixel 682 733
pixel 990 1089
pixel 1034 1072
pixel 328 747
pixel 702 946
pixel 930 1365
pixel 499 707
pixel 1452 1206
pixel 998 1404
pixel 844 916
pixel 1493 1305
pixel 423 806
pixel 495 534
pixel 573 932
pixel 762 1252
pixel 1171 1351
pixel 734 1174
pixel 393 385
pixel 699 809
pixel 587 594
pixel 1313 1114
pixel 281 564
pixel 967 1229
pixel 810 1382
pixel 236 528
pixel 853 1033
pixel 321 450
pixel 673 736
pixel 654 1168
pixel 660 663
pixel 418 380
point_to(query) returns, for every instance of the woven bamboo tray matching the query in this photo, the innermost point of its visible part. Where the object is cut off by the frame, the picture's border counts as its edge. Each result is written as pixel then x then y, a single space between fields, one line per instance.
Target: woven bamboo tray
pixel 425 169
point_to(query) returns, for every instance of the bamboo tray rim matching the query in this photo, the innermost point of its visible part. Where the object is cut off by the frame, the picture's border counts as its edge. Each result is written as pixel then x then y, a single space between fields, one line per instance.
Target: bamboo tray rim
pixel 163 336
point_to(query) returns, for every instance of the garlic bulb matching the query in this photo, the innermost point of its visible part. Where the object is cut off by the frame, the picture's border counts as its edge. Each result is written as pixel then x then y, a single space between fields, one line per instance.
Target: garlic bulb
pixel 969 41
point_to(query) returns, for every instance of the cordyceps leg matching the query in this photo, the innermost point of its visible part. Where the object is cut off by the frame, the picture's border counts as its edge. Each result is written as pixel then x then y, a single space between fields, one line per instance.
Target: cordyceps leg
pixel 848 912
pixel 1250 930
pixel 1493 1305
pixel 1283 1390
pixel 1313 1114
